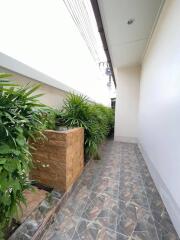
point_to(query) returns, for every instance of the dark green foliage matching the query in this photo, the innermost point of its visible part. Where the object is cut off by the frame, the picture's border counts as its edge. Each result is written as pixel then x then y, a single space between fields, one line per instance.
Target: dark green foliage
pixel 101 122
pixel 76 111
pixel 49 118
pixel 96 119
pixel 21 118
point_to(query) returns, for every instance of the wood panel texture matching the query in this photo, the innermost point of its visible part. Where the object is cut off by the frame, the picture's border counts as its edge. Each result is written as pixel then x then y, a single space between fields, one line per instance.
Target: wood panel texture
pixel 59 160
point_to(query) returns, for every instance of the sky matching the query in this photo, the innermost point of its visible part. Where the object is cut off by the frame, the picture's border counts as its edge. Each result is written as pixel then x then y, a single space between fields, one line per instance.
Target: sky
pixel 41 34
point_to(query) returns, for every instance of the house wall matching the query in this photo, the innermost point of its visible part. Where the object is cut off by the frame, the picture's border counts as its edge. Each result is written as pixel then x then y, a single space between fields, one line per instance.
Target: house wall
pixel 53 97
pixel 159 115
pixel 126 120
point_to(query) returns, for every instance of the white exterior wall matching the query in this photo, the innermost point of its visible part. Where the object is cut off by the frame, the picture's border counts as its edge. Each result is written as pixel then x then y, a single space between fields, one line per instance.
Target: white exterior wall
pixel 126 120
pixel 53 97
pixel 159 118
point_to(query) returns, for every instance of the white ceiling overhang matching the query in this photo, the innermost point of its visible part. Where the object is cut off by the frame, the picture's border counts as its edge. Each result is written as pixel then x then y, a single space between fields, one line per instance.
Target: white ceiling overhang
pixel 127 43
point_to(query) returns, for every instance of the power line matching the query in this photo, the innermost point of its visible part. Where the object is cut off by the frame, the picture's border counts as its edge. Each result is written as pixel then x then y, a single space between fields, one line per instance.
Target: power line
pixel 80 12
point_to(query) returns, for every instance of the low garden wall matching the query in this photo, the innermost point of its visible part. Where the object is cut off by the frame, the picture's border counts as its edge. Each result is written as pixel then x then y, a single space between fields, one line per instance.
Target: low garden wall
pixel 59 160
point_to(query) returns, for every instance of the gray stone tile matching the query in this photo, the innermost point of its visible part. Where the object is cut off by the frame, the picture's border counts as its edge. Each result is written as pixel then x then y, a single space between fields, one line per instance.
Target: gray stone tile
pixel 91 231
pixel 57 236
pixel 115 199
pixel 142 236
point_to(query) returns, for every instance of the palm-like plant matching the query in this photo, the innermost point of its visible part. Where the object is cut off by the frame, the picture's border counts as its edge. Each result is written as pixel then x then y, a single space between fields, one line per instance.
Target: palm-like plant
pixel 94 118
pixel 76 111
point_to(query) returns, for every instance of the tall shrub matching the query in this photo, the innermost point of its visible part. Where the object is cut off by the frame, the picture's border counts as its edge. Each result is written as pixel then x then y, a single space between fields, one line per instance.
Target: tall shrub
pixel 96 120
pixel 21 118
pixel 104 117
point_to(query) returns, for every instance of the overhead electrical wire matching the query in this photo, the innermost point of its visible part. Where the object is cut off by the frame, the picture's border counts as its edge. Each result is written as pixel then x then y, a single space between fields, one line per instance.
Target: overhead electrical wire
pixel 80 12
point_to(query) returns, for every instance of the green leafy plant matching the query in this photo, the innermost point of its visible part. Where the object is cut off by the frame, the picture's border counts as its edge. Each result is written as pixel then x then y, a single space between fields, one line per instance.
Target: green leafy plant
pixel 101 123
pixel 96 119
pixel 21 118
pixel 76 111
pixel 49 118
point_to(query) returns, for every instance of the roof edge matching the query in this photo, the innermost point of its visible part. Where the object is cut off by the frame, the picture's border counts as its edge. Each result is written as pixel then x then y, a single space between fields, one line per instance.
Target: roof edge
pixel 99 22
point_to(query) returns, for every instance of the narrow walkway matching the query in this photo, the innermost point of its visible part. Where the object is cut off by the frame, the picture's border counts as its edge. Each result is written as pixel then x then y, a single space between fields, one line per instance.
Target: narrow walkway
pixel 115 199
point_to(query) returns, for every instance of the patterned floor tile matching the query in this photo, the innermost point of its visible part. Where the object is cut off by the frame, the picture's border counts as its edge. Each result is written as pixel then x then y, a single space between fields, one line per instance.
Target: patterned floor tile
pixel 93 231
pixel 141 236
pixel 65 225
pixel 115 199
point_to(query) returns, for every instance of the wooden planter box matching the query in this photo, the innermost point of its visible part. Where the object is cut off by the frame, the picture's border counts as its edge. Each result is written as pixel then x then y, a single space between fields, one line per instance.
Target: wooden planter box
pixel 59 160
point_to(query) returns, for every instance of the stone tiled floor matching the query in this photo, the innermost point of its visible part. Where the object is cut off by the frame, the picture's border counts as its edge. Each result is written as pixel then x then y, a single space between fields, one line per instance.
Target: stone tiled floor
pixel 115 198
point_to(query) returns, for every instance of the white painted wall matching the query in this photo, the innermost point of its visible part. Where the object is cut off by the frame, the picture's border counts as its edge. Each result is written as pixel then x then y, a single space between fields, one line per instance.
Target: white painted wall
pixel 53 97
pixel 42 34
pixel 159 116
pixel 126 120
